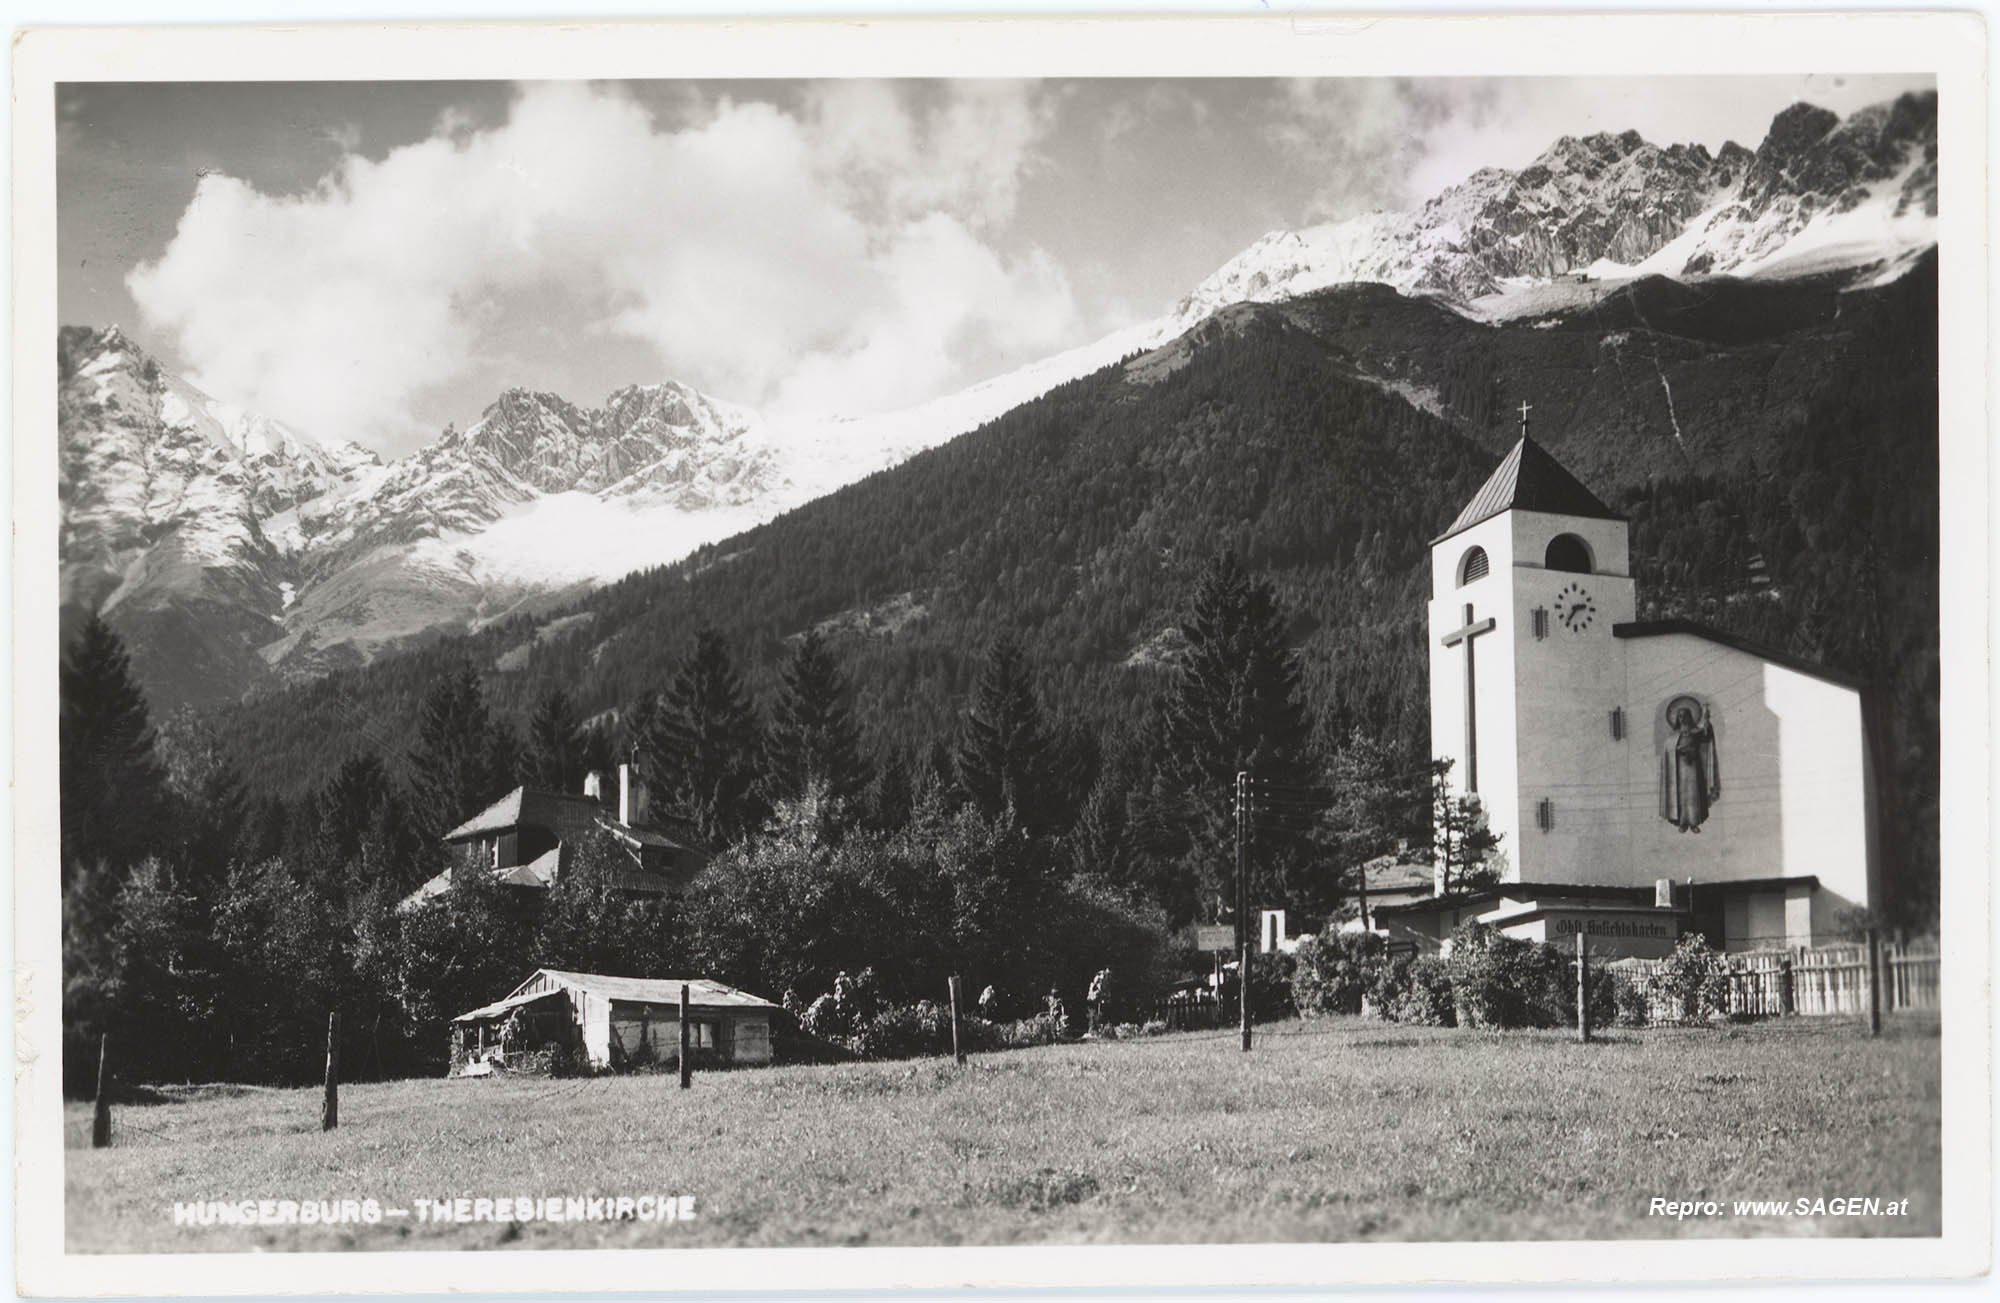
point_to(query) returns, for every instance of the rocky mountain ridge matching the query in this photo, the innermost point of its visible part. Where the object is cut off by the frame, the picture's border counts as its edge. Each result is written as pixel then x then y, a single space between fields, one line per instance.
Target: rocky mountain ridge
pixel 234 552
pixel 1614 206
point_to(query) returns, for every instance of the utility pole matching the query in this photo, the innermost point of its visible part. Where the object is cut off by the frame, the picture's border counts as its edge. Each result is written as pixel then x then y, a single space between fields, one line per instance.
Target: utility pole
pixel 1243 904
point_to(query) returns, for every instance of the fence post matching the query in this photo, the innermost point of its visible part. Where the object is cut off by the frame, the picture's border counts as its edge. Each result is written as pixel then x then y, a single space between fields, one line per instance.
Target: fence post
pixel 687 1067
pixel 1874 982
pixel 1785 1005
pixel 1582 988
pixel 329 1111
pixel 100 1124
pixel 957 1050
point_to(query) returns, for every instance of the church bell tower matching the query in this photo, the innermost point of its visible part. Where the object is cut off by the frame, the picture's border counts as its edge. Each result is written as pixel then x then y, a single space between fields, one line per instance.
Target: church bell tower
pixel 1527 681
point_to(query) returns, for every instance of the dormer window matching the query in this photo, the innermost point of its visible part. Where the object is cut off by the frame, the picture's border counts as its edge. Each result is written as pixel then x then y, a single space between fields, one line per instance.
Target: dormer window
pixel 1568 552
pixel 1473 565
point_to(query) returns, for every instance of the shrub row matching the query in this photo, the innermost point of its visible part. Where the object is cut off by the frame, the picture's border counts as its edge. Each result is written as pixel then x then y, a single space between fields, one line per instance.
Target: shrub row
pixel 1488 979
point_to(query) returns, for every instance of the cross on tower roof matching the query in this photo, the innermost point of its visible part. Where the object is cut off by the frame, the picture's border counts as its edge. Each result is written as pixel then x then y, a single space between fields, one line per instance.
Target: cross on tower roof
pixel 1524 418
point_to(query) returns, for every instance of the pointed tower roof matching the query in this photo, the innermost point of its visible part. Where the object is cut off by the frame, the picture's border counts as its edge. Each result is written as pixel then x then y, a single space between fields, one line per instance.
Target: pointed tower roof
pixel 1529 479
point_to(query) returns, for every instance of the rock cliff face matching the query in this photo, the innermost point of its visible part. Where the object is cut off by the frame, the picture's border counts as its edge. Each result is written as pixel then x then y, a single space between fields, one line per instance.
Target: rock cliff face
pixel 233 552
pixel 1611 206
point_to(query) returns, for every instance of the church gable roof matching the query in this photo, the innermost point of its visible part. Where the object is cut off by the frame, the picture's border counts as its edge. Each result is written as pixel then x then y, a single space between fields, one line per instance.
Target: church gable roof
pixel 1529 479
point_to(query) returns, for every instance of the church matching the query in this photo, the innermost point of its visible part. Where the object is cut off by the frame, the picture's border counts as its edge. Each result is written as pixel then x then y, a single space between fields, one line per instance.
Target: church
pixel 1645 778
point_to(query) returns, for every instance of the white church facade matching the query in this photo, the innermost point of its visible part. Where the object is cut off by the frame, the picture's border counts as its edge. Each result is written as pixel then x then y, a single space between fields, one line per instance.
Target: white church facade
pixel 1615 757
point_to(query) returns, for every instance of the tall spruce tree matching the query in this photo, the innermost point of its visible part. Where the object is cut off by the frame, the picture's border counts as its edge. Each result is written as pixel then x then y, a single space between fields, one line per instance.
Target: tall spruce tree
pixel 205 797
pixel 703 745
pixel 459 763
pixel 364 829
pixel 812 740
pixel 552 753
pixel 1234 705
pixel 112 785
pixel 1002 746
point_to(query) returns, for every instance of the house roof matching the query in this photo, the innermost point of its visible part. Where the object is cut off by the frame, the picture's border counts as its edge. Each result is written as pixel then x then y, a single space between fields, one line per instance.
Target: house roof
pixel 1529 479
pixel 554 810
pixel 1388 873
pixel 538 872
pixel 1797 664
pixel 565 814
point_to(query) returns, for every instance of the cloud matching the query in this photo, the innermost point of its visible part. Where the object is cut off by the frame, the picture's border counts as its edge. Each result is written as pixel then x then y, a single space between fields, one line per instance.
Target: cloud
pixel 847 253
pixel 1375 142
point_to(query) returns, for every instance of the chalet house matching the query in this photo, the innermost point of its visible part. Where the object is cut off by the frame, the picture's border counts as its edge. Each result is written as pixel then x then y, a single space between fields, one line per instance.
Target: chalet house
pixel 598 1022
pixel 529 836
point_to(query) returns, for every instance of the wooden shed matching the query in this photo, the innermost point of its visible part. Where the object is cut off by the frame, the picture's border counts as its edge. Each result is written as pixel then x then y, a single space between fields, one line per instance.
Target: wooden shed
pixel 603 1023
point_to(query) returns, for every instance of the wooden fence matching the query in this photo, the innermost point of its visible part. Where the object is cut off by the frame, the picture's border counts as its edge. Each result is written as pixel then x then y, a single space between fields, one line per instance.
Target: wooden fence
pixel 1185 1011
pixel 1802 980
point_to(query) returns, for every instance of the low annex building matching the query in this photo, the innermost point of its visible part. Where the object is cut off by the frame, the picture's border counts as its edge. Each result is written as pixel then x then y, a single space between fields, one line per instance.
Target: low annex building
pixel 600 1023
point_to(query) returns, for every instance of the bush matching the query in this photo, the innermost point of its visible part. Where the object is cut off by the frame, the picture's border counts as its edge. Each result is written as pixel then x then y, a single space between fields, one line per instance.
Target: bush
pixel 1038 1030
pixel 1633 1000
pixel 1270 989
pixel 904 1031
pixel 1331 973
pixel 1694 980
pixel 1557 1008
pixel 1498 980
pixel 1415 989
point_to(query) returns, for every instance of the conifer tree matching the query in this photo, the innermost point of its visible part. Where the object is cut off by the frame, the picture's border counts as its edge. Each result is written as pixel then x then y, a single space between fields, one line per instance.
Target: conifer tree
pixel 457 766
pixel 364 827
pixel 552 753
pixel 209 806
pixel 812 741
pixel 1002 747
pixel 1097 845
pixel 702 747
pixel 112 786
pixel 1234 706
pixel 1461 842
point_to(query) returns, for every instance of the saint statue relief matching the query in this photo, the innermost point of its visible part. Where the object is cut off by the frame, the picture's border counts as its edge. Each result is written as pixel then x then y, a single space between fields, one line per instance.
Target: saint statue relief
pixel 1690 776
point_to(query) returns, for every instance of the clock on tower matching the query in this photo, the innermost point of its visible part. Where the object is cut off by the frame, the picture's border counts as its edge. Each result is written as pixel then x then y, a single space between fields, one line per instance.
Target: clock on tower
pixel 1573 607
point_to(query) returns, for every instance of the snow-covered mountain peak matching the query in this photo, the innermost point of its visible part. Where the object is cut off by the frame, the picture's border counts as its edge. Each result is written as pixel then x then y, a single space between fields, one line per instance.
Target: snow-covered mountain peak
pixel 311 554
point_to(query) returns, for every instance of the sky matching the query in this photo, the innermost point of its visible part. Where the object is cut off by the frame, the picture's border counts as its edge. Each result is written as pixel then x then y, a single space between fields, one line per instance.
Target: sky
pixel 372 261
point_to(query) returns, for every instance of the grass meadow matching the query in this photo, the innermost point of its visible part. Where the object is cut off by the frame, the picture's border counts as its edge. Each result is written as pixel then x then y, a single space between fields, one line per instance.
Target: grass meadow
pixel 1329 1130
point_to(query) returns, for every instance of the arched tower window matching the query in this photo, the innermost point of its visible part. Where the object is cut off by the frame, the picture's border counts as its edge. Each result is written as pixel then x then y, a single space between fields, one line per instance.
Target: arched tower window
pixel 1472 565
pixel 1568 552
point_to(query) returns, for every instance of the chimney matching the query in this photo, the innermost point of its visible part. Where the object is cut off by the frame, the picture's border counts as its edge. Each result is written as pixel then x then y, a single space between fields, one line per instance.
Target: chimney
pixel 631 796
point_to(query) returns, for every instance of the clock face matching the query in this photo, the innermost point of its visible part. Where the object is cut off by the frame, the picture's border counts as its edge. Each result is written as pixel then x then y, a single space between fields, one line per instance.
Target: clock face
pixel 1574 608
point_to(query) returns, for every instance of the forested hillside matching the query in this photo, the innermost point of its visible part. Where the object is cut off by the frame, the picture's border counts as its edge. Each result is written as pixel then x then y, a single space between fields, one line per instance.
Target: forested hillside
pixel 1773 443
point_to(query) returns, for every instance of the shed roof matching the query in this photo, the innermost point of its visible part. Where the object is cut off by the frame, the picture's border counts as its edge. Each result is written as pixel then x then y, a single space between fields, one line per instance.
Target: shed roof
pixel 1529 479
pixel 702 993
pixel 499 1007
pixel 659 990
